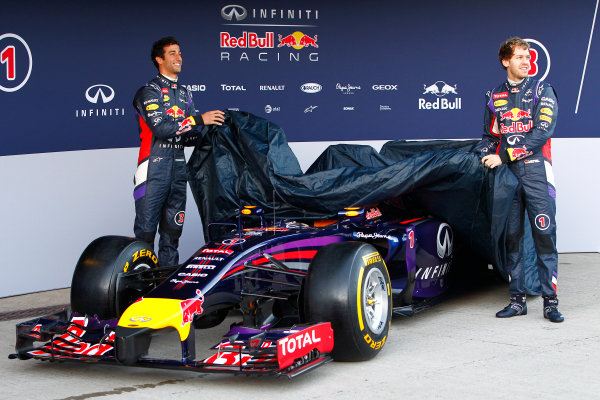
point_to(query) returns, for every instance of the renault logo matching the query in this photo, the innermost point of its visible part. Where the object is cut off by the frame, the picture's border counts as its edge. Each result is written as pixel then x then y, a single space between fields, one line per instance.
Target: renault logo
pixel 93 92
pixel 230 11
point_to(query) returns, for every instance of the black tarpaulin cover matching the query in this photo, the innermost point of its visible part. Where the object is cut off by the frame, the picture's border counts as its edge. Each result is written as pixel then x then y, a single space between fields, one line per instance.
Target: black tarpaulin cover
pixel 247 161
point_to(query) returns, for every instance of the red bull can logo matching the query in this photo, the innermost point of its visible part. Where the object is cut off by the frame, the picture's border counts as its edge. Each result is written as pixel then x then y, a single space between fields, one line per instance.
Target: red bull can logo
pixel 297 40
pixel 191 307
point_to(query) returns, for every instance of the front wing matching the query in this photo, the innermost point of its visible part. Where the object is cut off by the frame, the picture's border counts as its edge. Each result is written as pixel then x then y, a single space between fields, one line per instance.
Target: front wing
pixel 59 337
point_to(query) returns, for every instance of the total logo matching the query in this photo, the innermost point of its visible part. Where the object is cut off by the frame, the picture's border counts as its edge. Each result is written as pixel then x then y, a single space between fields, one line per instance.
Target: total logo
pixel 232 88
pixel 440 89
pixel 99 94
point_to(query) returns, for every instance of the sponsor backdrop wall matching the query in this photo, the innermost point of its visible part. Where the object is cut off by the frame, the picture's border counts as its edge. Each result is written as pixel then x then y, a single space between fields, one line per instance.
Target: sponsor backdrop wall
pixel 325 71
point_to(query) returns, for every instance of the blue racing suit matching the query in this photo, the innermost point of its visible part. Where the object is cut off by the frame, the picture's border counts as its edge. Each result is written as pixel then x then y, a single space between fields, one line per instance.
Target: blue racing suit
pixel 165 114
pixel 518 123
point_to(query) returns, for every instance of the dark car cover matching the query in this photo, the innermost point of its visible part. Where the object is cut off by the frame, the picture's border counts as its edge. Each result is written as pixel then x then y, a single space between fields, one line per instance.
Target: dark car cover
pixel 247 161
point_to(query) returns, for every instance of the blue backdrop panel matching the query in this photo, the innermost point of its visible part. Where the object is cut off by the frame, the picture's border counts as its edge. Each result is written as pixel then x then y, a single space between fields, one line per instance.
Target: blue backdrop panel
pixel 322 70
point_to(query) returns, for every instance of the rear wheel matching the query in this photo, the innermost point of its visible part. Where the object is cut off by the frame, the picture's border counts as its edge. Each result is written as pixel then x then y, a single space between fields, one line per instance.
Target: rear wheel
pixel 349 286
pixel 97 287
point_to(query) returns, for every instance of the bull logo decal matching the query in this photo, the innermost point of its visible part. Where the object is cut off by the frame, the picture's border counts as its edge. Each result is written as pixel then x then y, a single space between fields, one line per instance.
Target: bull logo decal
pixel 440 89
pixel 191 307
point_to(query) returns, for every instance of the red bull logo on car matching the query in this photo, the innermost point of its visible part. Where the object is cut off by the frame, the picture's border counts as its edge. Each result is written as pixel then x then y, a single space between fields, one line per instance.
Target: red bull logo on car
pixel 191 307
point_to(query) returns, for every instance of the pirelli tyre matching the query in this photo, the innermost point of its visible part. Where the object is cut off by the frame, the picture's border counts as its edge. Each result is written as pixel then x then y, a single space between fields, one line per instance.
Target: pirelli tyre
pixel 348 285
pixel 96 287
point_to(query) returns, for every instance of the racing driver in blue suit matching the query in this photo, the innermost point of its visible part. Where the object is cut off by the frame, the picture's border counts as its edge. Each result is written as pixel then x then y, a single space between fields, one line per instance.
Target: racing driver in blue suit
pixel 520 116
pixel 167 122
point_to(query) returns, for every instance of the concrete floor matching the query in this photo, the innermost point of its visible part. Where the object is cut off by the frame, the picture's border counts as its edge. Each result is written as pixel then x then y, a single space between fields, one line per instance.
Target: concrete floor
pixel 457 349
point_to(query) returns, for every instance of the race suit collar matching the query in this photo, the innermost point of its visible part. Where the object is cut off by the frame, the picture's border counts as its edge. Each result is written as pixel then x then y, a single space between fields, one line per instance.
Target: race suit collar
pixel 168 79
pixel 511 84
pixel 515 83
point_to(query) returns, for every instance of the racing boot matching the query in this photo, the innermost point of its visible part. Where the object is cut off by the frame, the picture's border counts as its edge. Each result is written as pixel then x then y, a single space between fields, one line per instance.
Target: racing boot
pixel 551 309
pixel 516 306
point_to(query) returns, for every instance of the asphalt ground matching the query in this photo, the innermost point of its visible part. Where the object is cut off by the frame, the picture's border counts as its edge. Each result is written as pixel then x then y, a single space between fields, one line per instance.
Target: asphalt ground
pixel 457 349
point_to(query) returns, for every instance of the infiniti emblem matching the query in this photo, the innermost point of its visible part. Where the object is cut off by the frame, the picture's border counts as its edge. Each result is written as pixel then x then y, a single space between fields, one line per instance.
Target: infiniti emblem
pixel 140 319
pixel 93 92
pixel 444 241
pixel 230 11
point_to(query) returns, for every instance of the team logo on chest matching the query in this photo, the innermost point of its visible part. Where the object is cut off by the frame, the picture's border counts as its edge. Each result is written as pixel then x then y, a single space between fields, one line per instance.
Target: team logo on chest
pixel 515 115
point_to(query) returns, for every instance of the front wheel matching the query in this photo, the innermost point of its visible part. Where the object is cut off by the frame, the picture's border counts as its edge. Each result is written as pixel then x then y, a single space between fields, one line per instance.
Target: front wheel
pixel 95 289
pixel 348 285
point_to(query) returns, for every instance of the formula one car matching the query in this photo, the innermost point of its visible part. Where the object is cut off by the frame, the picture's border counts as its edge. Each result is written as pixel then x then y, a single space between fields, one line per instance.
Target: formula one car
pixel 308 292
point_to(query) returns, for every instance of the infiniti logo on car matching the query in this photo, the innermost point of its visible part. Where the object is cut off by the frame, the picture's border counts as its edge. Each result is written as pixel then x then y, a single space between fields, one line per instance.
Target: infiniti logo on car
pixel 444 241
pixel 93 92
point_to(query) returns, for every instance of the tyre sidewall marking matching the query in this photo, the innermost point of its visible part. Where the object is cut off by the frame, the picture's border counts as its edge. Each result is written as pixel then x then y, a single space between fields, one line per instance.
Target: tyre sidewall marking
pixel 142 254
pixel 359 298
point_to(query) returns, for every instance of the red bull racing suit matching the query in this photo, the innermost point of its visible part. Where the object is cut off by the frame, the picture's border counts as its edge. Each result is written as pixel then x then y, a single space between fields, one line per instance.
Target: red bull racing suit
pixel 518 123
pixel 167 122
